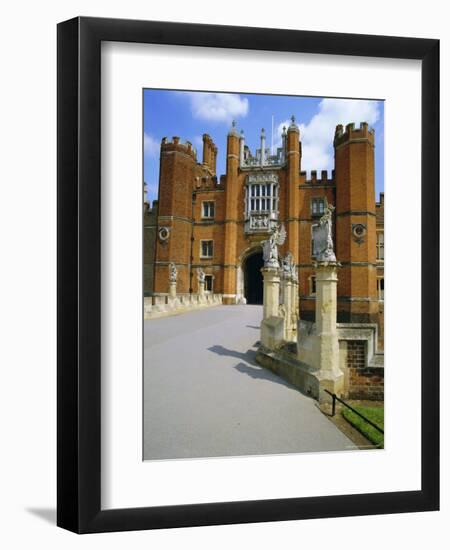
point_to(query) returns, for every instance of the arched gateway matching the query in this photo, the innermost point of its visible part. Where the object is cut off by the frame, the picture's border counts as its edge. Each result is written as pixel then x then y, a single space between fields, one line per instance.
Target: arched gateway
pixel 253 279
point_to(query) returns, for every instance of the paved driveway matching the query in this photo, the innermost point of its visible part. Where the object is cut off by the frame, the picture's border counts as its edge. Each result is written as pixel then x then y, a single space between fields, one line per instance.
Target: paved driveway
pixel 204 394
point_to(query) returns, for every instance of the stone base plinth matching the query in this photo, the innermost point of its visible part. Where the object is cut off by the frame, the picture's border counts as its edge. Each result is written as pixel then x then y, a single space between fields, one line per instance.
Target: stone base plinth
pixel 201 292
pixel 290 369
pixel 325 343
pixel 307 379
pixel 173 289
pixel 272 332
pixel 332 383
pixel 290 324
pixel 271 300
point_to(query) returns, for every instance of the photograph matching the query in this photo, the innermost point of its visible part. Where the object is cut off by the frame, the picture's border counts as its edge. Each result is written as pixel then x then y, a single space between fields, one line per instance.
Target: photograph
pixel 197 353
pixel 263 274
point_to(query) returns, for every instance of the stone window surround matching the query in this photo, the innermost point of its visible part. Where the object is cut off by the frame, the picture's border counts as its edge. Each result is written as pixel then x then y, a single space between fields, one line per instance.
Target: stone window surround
pixel 380 245
pixel 209 203
pixel 321 203
pixel 380 288
pixel 262 194
pixel 361 331
pixel 210 277
pixel 257 182
pixel 312 285
pixel 208 256
pixel 367 332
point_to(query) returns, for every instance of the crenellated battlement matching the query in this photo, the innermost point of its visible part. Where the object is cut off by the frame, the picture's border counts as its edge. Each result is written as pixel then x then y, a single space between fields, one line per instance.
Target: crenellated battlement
pixel 209 154
pixel 207 182
pixel 176 146
pixel 351 133
pixel 314 180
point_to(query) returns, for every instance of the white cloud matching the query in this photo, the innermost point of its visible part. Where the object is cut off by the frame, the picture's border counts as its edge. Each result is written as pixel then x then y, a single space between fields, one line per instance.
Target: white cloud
pixel 151 146
pixel 317 136
pixel 218 107
pixel 279 131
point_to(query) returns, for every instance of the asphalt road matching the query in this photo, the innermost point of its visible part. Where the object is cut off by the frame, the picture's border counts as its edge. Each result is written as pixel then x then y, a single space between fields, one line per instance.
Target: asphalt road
pixel 205 396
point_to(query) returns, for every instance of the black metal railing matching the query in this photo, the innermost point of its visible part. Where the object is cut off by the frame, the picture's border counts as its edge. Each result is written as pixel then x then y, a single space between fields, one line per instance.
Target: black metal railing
pixel 333 410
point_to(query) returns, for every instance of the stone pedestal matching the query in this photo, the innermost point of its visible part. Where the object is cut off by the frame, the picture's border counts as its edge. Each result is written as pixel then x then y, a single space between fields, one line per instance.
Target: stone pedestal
pixel 288 308
pixel 296 304
pixel 173 289
pixel 271 298
pixel 326 344
pixel 294 312
pixel 201 291
pixel 272 333
pixel 272 326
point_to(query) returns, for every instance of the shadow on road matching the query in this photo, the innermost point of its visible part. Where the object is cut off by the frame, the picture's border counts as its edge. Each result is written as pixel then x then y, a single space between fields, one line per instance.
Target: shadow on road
pixel 260 373
pixel 250 367
pixel 248 356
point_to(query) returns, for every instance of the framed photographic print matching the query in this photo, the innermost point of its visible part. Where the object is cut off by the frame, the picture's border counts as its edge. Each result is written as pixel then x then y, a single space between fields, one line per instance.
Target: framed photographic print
pixel 245 332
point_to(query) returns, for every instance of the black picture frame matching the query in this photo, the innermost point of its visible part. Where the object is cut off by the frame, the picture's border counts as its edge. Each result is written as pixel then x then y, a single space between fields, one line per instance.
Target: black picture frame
pixel 79 280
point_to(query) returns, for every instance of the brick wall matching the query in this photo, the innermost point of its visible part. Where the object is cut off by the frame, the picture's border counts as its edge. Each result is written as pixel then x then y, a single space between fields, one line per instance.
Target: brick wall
pixel 150 221
pixel 380 271
pixel 364 382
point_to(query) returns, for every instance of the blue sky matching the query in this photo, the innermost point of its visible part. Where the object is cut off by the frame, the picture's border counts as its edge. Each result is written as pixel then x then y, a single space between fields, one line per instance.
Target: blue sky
pixel 191 114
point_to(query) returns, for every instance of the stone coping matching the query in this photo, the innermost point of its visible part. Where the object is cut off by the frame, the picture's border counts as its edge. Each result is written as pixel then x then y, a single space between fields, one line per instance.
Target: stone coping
pixel 163 305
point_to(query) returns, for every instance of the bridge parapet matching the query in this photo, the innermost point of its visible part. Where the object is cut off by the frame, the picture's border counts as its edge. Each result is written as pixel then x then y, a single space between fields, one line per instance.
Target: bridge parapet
pixel 164 305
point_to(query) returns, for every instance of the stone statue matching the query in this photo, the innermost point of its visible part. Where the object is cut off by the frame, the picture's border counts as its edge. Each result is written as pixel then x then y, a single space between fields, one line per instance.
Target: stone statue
pixel 200 275
pixel 173 273
pixel 289 267
pixel 270 247
pixel 287 264
pixel 323 249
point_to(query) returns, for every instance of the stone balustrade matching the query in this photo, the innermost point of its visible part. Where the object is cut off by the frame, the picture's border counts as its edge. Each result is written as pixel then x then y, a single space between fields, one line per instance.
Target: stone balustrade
pixel 163 305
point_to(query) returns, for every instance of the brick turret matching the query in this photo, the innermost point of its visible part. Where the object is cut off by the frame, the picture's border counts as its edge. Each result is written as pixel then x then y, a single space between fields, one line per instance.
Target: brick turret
pixel 174 213
pixel 293 159
pixel 231 215
pixel 209 154
pixel 355 223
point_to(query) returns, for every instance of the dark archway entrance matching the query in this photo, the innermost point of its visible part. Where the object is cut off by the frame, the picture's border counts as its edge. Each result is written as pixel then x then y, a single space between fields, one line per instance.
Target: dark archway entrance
pixel 253 279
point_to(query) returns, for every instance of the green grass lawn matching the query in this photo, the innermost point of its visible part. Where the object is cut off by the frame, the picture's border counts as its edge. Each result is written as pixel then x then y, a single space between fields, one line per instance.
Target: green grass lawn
pixel 375 414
